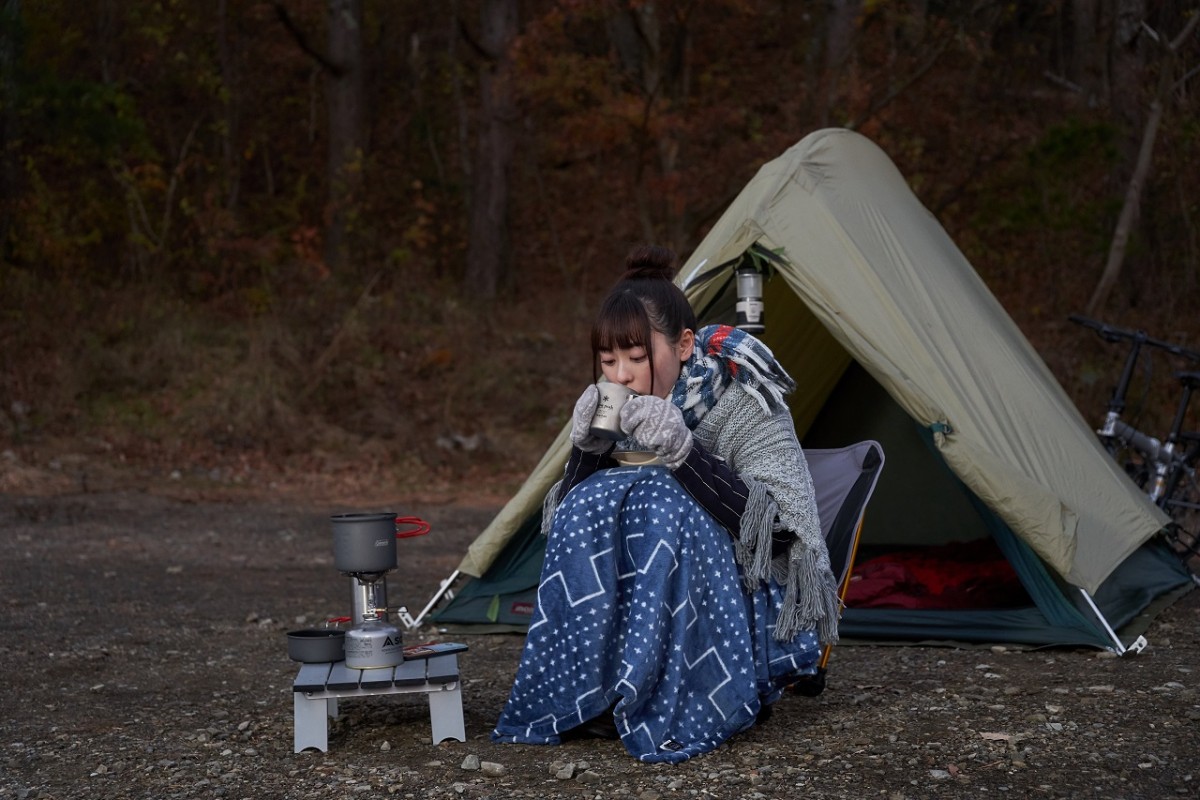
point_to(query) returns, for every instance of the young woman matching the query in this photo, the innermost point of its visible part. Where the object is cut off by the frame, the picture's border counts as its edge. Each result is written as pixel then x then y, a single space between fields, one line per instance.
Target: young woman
pixel 677 600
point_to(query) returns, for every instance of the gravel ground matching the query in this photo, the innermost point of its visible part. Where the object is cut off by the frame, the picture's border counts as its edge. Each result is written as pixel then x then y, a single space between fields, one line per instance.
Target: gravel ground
pixel 144 657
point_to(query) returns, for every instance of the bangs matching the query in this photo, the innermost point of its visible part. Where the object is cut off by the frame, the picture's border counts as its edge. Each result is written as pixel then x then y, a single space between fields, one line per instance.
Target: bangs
pixel 623 323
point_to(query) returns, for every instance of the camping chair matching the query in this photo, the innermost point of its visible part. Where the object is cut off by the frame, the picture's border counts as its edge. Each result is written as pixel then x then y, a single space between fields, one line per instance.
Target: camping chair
pixel 843 480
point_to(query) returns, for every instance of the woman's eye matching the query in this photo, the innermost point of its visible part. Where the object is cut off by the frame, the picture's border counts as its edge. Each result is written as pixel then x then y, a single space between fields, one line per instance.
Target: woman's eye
pixel 607 362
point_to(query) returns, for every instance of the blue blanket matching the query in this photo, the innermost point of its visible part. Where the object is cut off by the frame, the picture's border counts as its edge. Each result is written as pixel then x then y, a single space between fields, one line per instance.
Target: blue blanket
pixel 641 607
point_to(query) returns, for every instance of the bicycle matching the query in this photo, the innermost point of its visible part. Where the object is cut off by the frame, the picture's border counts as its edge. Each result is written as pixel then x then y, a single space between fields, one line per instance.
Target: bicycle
pixel 1165 469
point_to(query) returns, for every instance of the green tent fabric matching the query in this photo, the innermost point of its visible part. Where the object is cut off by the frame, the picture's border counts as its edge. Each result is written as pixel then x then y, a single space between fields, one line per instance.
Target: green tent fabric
pixel 503 598
pixel 893 336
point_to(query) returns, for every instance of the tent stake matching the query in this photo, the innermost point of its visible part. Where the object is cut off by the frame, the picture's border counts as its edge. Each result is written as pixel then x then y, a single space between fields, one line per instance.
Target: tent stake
pixel 1138 644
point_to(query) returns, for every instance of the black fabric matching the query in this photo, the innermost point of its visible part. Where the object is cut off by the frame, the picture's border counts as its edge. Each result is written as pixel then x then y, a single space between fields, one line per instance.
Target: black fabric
pixel 603 726
pixel 722 493
pixel 715 486
pixel 580 465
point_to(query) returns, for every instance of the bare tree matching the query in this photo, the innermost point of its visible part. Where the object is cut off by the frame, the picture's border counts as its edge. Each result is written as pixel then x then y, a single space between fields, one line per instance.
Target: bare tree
pixel 487 242
pixel 10 16
pixel 1088 52
pixel 343 68
pixel 636 35
pixel 346 114
pixel 654 50
pixel 840 23
pixel 232 106
pixel 1131 208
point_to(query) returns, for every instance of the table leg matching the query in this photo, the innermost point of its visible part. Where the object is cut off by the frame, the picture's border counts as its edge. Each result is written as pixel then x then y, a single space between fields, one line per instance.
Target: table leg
pixel 311 721
pixel 446 715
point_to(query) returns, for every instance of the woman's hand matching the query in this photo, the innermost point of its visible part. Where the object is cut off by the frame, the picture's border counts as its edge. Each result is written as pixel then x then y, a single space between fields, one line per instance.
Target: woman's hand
pixel 581 423
pixel 658 424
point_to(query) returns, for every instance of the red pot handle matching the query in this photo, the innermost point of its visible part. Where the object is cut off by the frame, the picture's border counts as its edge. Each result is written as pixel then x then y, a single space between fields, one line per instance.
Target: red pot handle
pixel 421 527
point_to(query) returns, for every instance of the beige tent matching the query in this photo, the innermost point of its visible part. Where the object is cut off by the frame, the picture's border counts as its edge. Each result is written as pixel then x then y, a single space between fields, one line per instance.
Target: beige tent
pixel 869 296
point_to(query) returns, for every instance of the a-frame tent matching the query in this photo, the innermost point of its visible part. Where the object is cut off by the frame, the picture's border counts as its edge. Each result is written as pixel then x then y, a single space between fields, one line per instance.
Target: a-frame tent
pixel 891 335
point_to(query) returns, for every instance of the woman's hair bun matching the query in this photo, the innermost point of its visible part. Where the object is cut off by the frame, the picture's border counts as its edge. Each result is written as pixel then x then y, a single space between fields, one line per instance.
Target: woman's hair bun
pixel 649 262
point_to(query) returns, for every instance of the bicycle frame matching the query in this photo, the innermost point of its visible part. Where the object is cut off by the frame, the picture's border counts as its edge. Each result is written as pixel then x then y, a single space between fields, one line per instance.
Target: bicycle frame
pixel 1165 470
pixel 1172 460
pixel 1163 454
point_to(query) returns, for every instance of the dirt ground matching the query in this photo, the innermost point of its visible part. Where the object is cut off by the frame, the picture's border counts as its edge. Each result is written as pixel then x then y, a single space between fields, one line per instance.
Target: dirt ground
pixel 144 656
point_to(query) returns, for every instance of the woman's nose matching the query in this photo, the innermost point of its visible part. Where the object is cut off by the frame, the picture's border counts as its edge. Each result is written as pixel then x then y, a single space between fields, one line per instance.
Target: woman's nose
pixel 624 374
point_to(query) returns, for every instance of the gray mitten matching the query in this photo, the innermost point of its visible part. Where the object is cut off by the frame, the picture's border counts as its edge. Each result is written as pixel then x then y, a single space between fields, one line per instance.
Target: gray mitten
pixel 581 423
pixel 658 424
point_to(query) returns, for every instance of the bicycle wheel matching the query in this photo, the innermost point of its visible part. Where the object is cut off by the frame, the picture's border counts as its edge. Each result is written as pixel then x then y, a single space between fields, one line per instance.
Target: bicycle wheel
pixel 1181 501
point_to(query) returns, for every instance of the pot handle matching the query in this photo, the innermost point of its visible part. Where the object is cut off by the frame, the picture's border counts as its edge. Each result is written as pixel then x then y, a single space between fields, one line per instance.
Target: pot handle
pixel 421 527
pixel 336 621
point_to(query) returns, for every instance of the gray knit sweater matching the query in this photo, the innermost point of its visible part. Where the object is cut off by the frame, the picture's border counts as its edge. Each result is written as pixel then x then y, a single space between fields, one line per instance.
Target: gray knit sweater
pixel 763 449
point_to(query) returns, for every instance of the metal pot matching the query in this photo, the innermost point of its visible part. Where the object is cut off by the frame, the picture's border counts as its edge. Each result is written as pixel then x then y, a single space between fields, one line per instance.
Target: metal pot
pixel 364 542
pixel 317 645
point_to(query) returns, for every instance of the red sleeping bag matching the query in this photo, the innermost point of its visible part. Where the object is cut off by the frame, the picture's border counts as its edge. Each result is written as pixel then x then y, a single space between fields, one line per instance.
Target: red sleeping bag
pixel 956 575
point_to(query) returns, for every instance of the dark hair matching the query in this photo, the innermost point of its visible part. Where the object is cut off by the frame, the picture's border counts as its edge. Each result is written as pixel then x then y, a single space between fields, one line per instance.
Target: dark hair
pixel 644 300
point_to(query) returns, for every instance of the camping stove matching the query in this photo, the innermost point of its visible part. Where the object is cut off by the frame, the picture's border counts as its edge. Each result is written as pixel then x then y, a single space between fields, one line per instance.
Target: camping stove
pixel 364 550
pixel 373 641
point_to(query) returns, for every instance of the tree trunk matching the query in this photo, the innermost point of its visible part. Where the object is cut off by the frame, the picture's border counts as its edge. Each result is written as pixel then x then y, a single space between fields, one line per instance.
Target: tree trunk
pixel 839 33
pixel 915 21
pixel 230 151
pixel 1131 208
pixel 1128 81
pixel 1088 49
pixel 655 53
pixel 9 133
pixel 1129 213
pixel 487 243
pixel 345 86
pixel 636 37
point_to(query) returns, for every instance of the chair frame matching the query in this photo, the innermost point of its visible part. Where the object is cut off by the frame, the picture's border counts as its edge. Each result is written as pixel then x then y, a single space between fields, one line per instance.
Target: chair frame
pixel 843 528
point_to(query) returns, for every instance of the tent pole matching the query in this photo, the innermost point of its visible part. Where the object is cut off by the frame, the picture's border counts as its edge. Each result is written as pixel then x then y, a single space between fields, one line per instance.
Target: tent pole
pixel 443 589
pixel 1138 644
pixel 692 274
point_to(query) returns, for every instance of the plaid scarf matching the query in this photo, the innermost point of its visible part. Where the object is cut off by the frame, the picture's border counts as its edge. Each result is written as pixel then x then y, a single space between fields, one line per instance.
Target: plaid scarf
pixel 722 355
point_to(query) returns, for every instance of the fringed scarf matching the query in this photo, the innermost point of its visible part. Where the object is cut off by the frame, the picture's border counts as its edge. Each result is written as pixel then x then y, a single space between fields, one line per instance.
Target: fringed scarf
pixel 773 467
pixel 722 355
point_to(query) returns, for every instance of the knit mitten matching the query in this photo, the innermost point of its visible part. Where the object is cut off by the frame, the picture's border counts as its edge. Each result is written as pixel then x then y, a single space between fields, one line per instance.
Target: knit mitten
pixel 657 424
pixel 581 423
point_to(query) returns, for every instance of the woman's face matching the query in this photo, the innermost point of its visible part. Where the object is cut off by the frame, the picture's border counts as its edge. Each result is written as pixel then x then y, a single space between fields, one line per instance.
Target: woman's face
pixel 630 366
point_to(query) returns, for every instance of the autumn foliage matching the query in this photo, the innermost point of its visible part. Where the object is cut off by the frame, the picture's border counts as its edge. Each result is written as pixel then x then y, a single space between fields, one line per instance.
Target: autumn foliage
pixel 168 286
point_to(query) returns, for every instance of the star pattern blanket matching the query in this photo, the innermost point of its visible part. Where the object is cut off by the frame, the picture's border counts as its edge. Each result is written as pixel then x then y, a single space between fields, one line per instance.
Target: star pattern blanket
pixel 640 607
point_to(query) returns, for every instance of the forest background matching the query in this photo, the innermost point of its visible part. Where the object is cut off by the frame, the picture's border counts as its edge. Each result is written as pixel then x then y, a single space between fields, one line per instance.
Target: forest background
pixel 363 239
